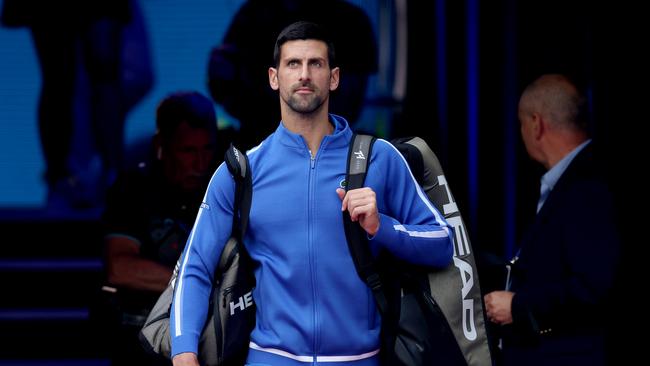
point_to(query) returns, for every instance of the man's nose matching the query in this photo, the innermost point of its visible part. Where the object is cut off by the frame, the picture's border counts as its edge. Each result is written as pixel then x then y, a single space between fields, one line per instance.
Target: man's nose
pixel 304 74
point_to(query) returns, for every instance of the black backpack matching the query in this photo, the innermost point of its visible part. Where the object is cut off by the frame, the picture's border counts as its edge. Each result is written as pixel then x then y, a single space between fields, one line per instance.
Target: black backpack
pixel 430 316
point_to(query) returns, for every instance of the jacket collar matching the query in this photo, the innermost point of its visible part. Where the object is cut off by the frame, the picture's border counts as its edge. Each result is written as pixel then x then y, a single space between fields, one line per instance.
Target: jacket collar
pixel 339 138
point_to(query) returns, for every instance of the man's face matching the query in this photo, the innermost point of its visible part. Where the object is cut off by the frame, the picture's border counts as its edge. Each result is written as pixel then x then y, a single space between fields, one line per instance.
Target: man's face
pixel 527 127
pixel 524 128
pixel 187 158
pixel 303 77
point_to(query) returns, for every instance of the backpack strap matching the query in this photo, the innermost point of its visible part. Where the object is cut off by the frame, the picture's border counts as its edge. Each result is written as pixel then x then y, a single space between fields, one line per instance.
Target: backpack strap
pixel 227 336
pixel 237 163
pixel 357 168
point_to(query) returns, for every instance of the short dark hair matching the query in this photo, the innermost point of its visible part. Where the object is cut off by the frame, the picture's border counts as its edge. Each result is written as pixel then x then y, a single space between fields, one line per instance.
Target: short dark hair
pixel 304 30
pixel 191 107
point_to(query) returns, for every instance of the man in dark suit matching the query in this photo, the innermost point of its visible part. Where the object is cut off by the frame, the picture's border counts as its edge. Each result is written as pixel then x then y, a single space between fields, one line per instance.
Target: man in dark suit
pixel 552 309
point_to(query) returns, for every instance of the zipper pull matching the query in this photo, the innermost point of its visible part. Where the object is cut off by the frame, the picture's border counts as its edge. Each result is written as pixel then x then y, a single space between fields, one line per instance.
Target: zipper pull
pixel 312 160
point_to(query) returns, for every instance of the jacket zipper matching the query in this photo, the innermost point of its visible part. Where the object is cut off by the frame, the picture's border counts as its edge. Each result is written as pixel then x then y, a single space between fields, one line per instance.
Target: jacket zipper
pixel 310 208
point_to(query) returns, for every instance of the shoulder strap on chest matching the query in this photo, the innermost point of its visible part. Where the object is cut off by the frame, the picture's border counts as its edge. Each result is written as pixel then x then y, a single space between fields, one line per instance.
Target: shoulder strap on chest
pixel 357 168
pixel 239 167
pixel 358 160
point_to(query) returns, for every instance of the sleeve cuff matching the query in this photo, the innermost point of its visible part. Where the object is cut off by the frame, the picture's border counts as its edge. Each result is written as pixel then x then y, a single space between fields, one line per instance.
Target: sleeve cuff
pixel 385 234
pixel 184 343
pixel 522 317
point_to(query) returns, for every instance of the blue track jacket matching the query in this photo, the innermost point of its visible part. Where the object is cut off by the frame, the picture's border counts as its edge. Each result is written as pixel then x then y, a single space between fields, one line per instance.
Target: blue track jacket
pixel 312 307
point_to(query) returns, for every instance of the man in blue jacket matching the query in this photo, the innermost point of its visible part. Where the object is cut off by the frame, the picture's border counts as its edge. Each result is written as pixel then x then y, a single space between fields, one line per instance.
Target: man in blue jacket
pixel 312 307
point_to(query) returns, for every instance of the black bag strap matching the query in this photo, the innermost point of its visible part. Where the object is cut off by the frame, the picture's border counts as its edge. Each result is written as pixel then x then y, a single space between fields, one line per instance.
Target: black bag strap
pixel 239 167
pixel 357 168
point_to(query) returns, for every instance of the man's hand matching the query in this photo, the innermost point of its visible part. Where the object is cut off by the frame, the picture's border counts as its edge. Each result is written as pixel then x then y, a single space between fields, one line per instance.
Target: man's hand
pixel 498 306
pixel 361 203
pixel 185 359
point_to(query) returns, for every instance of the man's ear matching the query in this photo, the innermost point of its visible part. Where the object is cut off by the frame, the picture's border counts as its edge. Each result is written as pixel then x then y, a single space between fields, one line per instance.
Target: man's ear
pixel 539 126
pixel 273 78
pixel 334 78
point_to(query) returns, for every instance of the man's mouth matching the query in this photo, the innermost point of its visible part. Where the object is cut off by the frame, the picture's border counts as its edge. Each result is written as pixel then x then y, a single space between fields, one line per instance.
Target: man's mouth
pixel 304 90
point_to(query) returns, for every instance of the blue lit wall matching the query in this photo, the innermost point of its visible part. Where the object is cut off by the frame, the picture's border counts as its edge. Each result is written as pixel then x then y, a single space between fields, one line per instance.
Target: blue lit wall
pixel 181 35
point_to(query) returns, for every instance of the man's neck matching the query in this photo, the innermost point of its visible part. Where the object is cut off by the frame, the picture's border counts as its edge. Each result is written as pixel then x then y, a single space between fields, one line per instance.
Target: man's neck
pixel 312 127
pixel 562 146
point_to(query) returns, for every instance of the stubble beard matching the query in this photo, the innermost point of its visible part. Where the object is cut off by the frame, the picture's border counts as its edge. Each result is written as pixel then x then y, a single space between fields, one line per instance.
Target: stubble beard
pixel 305 104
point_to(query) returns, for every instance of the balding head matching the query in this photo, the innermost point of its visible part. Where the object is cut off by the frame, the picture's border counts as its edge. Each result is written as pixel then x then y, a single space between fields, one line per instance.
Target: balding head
pixel 552 118
pixel 558 100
